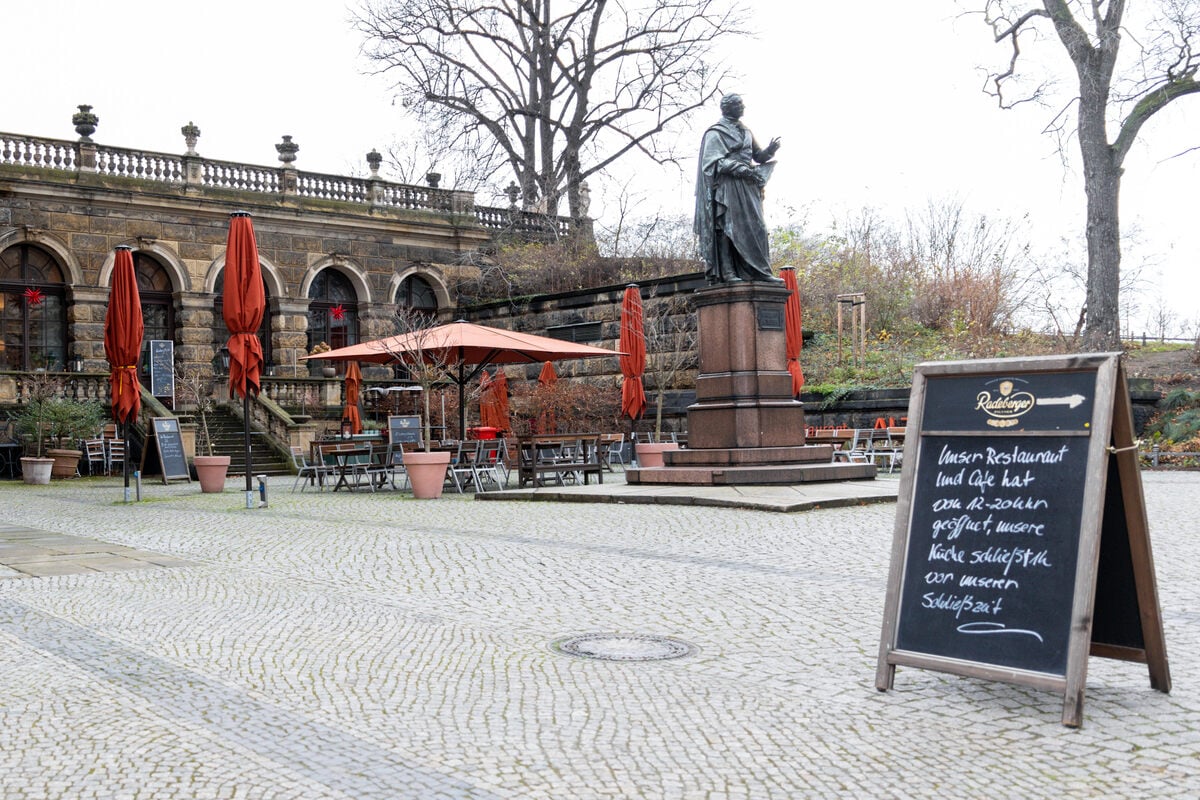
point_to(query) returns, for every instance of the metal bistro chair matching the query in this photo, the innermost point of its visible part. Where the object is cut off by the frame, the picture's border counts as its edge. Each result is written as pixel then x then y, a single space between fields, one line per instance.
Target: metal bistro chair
pixel 490 469
pixel 314 473
pixel 461 472
pixel 94 455
pixel 859 452
pixel 612 450
pixel 116 454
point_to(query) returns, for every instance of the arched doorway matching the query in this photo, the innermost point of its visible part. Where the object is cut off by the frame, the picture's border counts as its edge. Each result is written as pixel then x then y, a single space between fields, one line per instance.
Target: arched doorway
pixel 33 302
pixel 332 311
pixel 221 330
pixel 158 305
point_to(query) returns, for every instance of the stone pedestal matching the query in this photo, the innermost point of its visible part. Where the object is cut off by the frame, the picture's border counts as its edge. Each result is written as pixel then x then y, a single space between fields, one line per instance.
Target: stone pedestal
pixel 743 391
pixel 745 427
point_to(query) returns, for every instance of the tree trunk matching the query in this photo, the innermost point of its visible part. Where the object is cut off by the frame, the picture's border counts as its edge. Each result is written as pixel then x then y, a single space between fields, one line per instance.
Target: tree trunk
pixel 1102 185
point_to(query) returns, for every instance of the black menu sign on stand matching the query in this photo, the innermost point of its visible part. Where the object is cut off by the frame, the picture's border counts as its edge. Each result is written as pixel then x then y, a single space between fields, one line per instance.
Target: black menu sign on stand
pixel 1021 542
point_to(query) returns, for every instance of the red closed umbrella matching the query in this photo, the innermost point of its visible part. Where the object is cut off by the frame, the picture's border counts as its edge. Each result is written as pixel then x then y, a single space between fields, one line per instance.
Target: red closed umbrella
pixel 546 420
pixel 486 407
pixel 353 387
pixel 123 330
pixel 633 345
pixel 500 396
pixel 792 329
pixel 244 304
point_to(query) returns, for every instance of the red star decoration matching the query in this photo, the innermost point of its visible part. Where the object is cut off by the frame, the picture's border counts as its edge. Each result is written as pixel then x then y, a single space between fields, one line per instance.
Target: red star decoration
pixel 34 296
pixel 337 312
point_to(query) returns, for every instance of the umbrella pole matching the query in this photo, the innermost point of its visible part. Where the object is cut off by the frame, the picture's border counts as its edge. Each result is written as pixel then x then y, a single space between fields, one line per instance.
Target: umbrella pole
pixel 462 404
pixel 246 437
pixel 125 460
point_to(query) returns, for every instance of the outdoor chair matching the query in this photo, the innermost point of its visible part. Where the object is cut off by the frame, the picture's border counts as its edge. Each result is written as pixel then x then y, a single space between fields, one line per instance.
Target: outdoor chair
pixel 490 469
pixel 612 450
pixel 314 474
pixel 94 455
pixel 116 454
pixel 859 452
pixel 461 472
pixel 393 465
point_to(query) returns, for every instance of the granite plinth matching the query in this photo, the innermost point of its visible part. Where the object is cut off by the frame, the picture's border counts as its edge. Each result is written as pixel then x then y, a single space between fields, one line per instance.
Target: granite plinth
pixel 756 474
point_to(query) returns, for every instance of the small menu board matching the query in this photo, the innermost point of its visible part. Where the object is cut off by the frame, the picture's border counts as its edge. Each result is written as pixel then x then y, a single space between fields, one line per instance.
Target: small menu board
pixel 404 430
pixel 1021 541
pixel 162 368
pixel 166 445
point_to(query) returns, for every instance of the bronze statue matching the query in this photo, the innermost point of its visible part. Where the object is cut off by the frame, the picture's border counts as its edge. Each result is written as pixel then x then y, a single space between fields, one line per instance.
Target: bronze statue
pixel 729 190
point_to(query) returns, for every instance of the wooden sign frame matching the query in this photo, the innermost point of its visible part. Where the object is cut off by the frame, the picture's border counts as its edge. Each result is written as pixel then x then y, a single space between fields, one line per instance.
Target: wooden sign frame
pixel 166 428
pixel 1094 515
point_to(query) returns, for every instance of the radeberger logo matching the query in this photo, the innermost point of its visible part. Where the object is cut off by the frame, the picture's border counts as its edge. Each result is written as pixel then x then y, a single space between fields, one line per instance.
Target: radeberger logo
pixel 1005 408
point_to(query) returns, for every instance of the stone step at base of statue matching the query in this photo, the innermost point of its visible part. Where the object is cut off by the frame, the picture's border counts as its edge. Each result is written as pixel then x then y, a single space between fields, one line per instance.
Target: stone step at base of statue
pixel 748 456
pixel 750 474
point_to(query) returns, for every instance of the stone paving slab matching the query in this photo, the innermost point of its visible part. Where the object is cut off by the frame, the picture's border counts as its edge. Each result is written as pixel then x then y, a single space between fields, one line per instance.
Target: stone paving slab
pixel 374 646
pixel 26 552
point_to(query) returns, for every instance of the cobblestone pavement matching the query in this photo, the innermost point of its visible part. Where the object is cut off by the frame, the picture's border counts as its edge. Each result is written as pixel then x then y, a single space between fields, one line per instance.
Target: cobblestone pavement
pixel 373 646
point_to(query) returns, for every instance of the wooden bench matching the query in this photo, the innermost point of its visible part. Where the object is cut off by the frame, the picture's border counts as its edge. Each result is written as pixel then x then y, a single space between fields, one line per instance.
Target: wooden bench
pixel 558 456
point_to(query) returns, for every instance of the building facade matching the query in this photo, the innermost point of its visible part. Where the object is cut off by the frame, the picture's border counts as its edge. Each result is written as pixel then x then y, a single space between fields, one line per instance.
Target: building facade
pixel 338 254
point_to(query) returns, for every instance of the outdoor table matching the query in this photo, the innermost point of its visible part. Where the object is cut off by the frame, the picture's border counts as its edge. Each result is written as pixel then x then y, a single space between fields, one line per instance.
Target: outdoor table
pixel 346 463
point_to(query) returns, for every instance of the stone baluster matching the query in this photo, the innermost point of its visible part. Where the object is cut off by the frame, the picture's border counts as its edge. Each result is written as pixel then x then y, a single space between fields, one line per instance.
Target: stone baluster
pixel 287 150
pixel 85 150
pixel 193 171
pixel 375 193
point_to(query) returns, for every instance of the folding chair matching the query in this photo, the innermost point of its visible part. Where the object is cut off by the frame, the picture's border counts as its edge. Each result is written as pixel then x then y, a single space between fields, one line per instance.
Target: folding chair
pixel 613 450
pixel 461 472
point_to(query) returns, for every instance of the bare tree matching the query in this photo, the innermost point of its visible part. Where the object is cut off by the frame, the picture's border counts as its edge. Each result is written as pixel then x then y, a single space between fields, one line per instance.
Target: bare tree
pixel 1126 92
pixel 555 91
pixel 669 329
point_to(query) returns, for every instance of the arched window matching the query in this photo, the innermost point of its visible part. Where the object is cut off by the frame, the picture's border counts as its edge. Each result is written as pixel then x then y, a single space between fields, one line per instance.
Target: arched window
pixel 332 310
pixel 417 293
pixel 221 330
pixel 158 305
pixel 33 301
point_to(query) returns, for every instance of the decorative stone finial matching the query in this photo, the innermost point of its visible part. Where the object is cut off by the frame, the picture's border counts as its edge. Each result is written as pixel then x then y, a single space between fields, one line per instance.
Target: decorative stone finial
pixel 85 122
pixel 433 179
pixel 513 191
pixel 190 134
pixel 373 161
pixel 287 150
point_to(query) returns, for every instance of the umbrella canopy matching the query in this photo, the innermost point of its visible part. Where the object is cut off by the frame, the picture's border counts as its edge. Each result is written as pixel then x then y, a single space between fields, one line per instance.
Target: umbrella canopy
pixel 633 342
pixel 464 344
pixel 353 385
pixel 793 329
pixel 244 304
pixel 123 331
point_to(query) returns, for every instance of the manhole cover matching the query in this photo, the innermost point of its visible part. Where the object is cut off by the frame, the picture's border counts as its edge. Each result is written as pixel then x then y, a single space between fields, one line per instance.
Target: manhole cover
pixel 623 647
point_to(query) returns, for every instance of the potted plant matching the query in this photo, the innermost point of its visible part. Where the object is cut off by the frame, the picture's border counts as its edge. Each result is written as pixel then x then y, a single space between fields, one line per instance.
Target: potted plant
pixel 69 422
pixel 326 370
pixel 32 423
pixel 195 389
pixel 426 367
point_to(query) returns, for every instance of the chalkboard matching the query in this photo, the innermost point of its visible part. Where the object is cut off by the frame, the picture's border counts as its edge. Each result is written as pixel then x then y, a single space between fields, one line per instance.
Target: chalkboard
pixel 162 368
pixel 166 442
pixel 1021 541
pixel 404 430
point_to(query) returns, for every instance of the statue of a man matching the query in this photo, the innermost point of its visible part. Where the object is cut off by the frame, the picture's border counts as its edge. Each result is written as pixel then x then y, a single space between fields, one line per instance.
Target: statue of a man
pixel 729 216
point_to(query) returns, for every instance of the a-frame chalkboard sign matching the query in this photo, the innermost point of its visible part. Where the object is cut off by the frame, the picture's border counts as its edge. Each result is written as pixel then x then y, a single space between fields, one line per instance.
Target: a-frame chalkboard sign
pixel 165 445
pixel 1021 543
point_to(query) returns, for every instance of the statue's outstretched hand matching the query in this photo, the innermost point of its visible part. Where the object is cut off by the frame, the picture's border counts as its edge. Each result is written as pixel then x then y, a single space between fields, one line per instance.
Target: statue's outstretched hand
pixel 771 148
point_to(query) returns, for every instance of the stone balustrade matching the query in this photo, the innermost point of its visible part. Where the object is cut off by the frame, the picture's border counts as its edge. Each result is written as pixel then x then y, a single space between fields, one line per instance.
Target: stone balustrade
pixel 193 171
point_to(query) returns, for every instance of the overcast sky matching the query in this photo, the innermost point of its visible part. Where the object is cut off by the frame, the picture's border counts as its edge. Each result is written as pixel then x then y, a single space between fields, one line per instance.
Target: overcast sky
pixel 878 104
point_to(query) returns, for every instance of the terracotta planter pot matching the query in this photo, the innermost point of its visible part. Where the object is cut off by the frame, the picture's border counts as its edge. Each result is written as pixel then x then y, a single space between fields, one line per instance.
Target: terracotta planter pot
pixel 426 473
pixel 36 471
pixel 66 462
pixel 211 471
pixel 651 455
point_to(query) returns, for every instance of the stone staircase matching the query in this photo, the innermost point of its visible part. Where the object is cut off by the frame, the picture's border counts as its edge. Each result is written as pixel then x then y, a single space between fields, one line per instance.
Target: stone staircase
pixel 228 440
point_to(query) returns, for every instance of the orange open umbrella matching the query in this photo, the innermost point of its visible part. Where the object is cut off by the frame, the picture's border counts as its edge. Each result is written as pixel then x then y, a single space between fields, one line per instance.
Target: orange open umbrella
pixel 461 344
pixel 353 386
pixel 123 330
pixel 244 304
pixel 793 329
pixel 633 344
